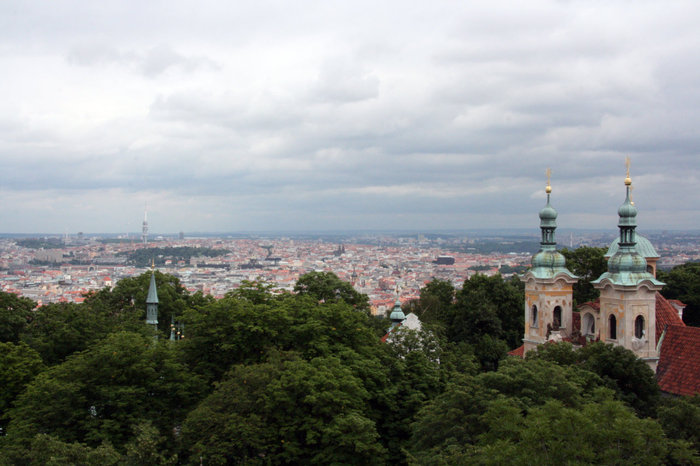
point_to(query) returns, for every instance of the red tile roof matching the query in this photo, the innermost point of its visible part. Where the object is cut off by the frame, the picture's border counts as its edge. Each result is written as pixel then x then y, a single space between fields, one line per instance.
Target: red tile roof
pixel 594 304
pixel 666 315
pixel 519 351
pixel 678 371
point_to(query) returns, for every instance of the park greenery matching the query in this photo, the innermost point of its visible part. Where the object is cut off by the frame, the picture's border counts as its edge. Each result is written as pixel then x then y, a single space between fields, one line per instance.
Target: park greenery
pixel 144 257
pixel 265 376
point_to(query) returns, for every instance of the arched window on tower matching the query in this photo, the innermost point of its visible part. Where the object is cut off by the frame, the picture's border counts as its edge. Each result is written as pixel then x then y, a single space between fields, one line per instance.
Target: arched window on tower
pixel 556 318
pixel 612 327
pixel 534 318
pixel 588 324
pixel 639 327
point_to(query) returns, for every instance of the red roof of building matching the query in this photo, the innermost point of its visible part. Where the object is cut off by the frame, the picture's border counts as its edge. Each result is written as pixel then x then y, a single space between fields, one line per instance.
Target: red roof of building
pixel 678 371
pixel 519 351
pixel 594 304
pixel 666 315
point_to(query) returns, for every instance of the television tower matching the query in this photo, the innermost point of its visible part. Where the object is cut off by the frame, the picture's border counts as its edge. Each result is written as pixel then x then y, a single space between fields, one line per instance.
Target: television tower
pixel 144 229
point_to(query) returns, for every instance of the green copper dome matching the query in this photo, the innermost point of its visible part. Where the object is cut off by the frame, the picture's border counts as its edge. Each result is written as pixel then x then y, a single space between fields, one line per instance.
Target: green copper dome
pixel 548 215
pixel 548 259
pixel 397 314
pixel 643 247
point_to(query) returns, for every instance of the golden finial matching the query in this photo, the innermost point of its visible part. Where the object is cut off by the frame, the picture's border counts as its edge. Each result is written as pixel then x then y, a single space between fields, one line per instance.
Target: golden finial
pixel 153 263
pixel 548 174
pixel 628 180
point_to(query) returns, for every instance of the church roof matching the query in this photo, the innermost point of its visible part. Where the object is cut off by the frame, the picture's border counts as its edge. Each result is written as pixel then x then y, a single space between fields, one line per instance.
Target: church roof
pixel 152 297
pixel 643 247
pixel 666 315
pixel 678 371
pixel 519 351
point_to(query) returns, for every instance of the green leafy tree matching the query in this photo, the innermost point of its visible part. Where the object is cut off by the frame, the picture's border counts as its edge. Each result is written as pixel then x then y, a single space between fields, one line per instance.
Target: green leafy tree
pixel 285 410
pixel 48 450
pixel 620 369
pixel 680 418
pixel 588 263
pixel 535 411
pixel 327 287
pixel 683 284
pixel 257 292
pixel 15 313
pixel 58 330
pixel 501 299
pixel 435 303
pixel 126 302
pixel 603 432
pixel 19 364
pixel 100 394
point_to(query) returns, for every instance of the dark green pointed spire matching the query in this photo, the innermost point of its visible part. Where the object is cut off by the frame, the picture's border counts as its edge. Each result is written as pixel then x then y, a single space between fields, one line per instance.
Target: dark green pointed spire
pixel 152 302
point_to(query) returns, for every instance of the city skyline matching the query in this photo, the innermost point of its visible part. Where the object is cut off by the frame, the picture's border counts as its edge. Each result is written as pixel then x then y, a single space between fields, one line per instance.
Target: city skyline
pixel 323 116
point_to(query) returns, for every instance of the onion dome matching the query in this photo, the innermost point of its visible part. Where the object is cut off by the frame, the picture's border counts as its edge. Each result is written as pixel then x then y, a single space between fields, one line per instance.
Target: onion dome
pixel 548 215
pixel 643 247
pixel 397 315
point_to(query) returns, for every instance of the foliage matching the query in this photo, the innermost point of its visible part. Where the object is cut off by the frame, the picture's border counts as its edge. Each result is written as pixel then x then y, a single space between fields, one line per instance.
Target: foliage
pixel 588 263
pixel 436 301
pixel 40 243
pixel 537 412
pixel 15 313
pixel 125 304
pixel 58 330
pixel 146 256
pixel 327 287
pixel 683 283
pixel 488 315
pixel 257 292
pixel 680 418
pixel 285 410
pixel 48 450
pixel 98 395
pixel 19 364
pixel 620 369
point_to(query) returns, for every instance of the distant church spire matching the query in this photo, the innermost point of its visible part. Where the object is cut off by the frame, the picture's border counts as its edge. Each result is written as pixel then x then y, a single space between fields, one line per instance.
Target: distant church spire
pixel 152 302
pixel 144 228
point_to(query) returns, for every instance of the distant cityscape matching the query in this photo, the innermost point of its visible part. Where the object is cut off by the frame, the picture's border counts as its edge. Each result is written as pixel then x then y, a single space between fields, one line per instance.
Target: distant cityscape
pixel 62 268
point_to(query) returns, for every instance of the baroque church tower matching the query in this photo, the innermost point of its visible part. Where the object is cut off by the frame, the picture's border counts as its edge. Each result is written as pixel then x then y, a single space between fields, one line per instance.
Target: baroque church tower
pixel 627 314
pixel 548 287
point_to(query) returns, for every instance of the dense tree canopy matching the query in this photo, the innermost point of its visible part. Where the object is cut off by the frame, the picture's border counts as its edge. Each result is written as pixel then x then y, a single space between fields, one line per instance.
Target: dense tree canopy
pixel 683 283
pixel 271 377
pixel 15 314
pixel 327 287
pixel 588 263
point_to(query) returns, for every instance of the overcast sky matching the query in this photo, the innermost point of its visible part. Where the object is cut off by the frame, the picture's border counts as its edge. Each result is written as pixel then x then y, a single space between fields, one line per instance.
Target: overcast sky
pixel 325 115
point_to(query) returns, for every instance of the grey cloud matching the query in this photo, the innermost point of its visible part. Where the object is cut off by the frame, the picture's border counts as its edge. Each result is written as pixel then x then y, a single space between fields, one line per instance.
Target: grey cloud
pixel 150 63
pixel 340 82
